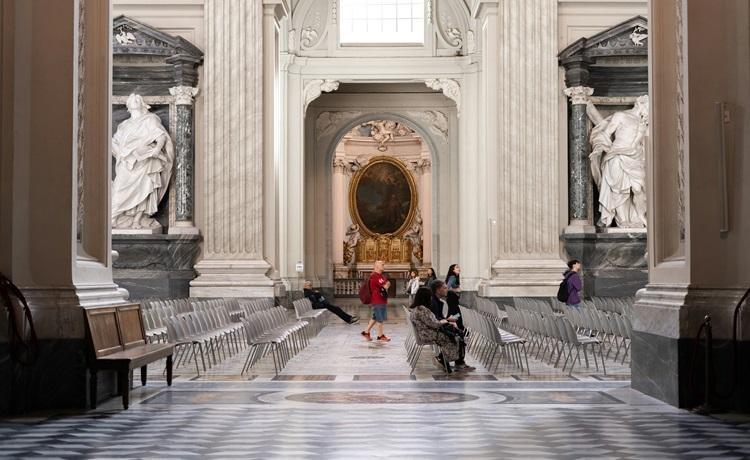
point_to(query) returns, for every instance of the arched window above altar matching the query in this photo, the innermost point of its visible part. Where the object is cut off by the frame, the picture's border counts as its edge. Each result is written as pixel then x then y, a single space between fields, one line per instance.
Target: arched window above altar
pixel 382 22
pixel 381 28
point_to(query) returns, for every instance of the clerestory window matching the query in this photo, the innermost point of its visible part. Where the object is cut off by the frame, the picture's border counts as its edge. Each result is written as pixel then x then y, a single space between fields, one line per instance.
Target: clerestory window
pixel 381 21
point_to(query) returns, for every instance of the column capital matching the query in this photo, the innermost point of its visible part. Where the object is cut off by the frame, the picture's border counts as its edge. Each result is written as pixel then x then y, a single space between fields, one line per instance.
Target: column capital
pixel 578 94
pixel 183 95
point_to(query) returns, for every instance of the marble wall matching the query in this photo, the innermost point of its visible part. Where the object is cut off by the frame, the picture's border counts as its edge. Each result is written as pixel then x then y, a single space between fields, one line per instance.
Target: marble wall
pixel 155 266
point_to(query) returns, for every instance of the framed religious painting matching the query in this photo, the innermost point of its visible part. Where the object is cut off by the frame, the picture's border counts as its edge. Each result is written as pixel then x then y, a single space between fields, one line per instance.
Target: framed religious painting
pixel 383 197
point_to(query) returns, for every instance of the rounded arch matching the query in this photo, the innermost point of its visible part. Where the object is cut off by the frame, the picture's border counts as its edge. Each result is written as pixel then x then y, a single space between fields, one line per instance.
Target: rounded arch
pixel 424 133
pixel 325 129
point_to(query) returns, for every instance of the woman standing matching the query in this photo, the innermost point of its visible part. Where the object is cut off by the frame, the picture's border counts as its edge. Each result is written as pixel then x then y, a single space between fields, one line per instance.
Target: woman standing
pixel 428 328
pixel 412 285
pixel 431 276
pixel 453 278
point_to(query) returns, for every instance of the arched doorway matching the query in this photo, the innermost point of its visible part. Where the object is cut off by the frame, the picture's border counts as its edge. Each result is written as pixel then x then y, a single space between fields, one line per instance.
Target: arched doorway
pixel 381 204
pixel 424 153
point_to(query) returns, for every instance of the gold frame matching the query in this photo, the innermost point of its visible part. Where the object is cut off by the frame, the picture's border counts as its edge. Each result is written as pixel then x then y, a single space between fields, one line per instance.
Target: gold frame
pixel 353 197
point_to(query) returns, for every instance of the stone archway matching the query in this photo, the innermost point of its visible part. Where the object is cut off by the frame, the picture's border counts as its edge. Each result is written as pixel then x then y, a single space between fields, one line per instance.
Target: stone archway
pixel 327 124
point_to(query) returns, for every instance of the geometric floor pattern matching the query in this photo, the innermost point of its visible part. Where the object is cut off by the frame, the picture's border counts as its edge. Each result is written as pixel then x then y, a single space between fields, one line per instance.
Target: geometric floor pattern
pixel 346 398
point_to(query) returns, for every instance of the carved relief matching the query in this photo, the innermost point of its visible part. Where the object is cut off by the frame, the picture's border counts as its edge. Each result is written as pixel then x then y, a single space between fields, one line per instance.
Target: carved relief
pixel 449 87
pixel 314 88
pixel 310 19
pixel 436 121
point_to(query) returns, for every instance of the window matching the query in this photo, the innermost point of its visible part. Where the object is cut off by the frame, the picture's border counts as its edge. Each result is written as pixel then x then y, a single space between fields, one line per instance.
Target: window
pixel 382 21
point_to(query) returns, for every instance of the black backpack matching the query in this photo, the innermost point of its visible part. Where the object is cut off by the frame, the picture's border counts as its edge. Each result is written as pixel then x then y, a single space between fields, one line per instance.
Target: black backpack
pixel 562 291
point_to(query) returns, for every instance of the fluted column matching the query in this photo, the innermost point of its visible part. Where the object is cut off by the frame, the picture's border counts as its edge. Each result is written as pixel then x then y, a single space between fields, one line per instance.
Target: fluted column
pixel 232 224
pixel 339 209
pixel 525 155
pixel 425 203
pixel 579 176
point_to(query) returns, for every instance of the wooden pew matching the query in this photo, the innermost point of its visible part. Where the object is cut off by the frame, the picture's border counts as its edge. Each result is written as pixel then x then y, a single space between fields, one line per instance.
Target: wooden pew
pixel 118 342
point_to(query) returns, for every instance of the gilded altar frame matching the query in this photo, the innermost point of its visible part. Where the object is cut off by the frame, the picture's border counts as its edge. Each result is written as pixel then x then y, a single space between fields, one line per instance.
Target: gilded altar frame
pixel 413 202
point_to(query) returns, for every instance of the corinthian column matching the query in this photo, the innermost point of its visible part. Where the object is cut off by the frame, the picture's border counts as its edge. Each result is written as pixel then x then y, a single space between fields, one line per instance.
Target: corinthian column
pixel 232 167
pixel 579 178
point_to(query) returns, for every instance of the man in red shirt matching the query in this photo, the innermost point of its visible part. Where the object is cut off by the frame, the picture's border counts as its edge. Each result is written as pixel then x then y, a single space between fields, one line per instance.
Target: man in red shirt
pixel 379 292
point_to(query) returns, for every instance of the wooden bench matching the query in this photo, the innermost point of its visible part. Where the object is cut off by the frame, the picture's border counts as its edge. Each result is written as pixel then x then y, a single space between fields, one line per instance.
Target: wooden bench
pixel 118 342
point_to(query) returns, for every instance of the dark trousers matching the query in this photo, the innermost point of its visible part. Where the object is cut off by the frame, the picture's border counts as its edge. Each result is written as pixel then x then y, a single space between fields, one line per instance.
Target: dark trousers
pixel 336 311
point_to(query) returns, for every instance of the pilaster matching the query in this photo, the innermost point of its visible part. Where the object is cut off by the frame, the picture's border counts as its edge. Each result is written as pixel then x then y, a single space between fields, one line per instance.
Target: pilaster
pixel 233 261
pixel 527 162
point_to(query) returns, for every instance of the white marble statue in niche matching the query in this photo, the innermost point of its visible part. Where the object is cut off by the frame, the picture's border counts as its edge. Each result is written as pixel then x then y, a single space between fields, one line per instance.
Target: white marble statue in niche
pixel 144 155
pixel 618 164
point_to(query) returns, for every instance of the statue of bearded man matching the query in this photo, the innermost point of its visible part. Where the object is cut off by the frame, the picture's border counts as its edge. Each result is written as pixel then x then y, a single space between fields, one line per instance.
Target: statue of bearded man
pixel 618 164
pixel 144 155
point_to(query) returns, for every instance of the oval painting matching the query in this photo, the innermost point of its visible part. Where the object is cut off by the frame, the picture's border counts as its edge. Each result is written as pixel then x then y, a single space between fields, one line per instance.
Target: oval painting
pixel 384 195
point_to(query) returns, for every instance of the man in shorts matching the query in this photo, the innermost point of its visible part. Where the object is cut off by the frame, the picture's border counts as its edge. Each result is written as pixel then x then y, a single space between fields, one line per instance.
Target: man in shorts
pixel 379 285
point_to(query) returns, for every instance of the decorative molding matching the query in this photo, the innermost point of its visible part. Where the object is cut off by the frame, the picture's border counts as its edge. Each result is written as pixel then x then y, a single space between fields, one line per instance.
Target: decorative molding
pixel 327 121
pixel 291 42
pixel 81 109
pixel 449 87
pixel 680 114
pixel 314 88
pixel 579 94
pixel 436 121
pixel 183 95
pixel 471 42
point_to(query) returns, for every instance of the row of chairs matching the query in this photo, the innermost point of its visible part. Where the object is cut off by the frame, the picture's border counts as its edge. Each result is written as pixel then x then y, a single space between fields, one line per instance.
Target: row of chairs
pixel 486 338
pixel 553 333
pixel 620 305
pixel 611 328
pixel 489 309
pixel 543 306
pixel 318 318
pixel 272 331
pixel 248 306
pixel 208 331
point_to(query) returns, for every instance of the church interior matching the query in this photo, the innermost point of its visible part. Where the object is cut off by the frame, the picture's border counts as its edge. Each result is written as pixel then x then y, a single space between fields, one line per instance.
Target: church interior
pixel 264 228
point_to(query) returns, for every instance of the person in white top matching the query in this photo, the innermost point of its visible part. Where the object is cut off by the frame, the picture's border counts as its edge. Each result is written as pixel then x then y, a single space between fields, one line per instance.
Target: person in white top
pixel 412 285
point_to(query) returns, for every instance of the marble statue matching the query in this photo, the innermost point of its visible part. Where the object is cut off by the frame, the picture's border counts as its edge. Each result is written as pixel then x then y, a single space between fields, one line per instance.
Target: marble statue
pixel 352 240
pixel 618 164
pixel 144 155
pixel 414 236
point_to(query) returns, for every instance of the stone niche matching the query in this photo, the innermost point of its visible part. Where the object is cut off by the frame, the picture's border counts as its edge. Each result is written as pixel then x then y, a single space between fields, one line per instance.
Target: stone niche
pixel 163 69
pixel 609 70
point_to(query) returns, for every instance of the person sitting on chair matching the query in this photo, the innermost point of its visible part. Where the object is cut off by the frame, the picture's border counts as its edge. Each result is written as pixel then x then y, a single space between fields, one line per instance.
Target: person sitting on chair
pixel 428 328
pixel 319 301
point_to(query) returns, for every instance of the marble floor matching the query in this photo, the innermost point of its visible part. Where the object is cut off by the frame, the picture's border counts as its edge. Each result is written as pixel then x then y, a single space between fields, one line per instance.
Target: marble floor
pixel 343 397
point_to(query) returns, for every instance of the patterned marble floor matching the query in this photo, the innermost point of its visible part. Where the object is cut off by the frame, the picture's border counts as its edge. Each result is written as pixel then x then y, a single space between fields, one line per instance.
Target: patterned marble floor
pixel 346 398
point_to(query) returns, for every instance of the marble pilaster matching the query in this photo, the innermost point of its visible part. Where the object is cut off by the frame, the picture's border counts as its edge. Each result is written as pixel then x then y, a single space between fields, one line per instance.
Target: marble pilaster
pixel 232 261
pixel 579 177
pixel 525 179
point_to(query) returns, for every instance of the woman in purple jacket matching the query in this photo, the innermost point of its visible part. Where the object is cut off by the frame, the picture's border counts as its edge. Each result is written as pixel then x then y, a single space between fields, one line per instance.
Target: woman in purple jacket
pixel 573 278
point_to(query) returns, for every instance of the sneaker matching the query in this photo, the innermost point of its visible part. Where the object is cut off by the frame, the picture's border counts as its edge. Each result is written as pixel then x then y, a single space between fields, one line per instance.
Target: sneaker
pixel 366 335
pixel 354 320
pixel 384 338
pixel 464 367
